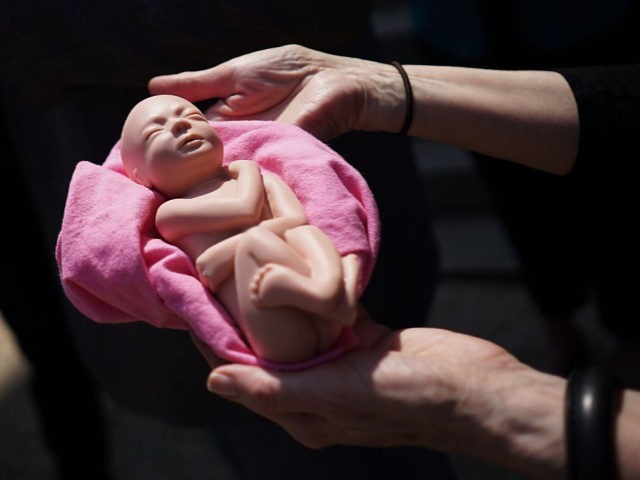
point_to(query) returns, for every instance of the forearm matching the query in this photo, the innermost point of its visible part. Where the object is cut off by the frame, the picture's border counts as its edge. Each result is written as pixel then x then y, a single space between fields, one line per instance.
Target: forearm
pixel 528 424
pixel 249 188
pixel 515 418
pixel 286 211
pixel 523 116
pixel 280 225
pixel 512 416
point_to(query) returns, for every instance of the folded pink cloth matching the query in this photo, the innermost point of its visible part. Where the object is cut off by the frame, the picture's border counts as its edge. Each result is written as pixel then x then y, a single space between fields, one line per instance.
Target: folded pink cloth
pixel 116 268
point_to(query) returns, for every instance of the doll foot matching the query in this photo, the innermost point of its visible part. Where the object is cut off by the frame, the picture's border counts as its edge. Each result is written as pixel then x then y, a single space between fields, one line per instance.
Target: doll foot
pixel 257 287
pixel 256 281
pixel 271 286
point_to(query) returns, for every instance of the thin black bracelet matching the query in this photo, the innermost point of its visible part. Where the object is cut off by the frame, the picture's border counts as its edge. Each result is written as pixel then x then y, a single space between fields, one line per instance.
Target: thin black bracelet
pixel 408 92
pixel 592 400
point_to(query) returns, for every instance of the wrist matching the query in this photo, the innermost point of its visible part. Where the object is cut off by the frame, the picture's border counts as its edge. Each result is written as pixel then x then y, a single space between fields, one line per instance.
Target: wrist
pixel 385 103
pixel 535 425
pixel 520 423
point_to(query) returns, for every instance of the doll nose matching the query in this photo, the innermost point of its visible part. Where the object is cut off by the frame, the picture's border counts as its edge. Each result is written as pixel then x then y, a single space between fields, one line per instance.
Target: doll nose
pixel 180 126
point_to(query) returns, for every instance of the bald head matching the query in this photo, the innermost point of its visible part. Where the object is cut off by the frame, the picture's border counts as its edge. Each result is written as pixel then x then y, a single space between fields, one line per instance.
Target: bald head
pixel 167 136
pixel 132 146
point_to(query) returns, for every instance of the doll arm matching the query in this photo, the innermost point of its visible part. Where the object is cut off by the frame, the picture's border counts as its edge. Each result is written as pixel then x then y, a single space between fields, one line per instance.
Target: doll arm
pixel 216 263
pixel 215 213
pixel 286 209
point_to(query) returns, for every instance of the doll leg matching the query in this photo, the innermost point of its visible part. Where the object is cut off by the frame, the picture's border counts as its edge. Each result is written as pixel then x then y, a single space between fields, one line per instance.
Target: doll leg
pixel 326 289
pixel 215 264
pixel 260 246
pixel 291 330
pixel 279 334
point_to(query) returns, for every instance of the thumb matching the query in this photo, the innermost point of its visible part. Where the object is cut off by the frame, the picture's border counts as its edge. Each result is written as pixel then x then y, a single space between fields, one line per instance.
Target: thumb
pixel 194 86
pixel 257 389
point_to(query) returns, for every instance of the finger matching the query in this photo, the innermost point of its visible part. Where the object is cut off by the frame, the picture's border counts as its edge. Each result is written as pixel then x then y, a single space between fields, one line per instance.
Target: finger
pixel 263 393
pixel 215 82
pixel 217 115
pixel 236 107
pixel 250 386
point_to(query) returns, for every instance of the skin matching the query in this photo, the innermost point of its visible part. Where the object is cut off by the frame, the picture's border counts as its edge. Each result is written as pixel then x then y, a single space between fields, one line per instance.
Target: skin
pixel 426 387
pixel 524 116
pixel 430 388
pixel 280 278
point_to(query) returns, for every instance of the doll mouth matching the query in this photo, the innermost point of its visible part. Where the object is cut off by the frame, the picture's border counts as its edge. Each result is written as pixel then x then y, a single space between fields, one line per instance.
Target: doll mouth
pixel 190 143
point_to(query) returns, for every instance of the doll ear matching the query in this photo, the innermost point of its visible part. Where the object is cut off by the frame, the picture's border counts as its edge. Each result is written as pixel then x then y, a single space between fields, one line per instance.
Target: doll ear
pixel 139 178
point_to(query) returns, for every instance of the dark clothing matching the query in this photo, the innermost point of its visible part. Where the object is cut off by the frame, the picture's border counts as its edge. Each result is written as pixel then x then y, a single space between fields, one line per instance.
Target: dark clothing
pixel 608 99
pixel 576 234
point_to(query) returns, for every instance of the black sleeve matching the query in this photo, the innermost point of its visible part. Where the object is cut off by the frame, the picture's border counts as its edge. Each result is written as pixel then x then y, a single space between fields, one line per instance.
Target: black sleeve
pixel 608 99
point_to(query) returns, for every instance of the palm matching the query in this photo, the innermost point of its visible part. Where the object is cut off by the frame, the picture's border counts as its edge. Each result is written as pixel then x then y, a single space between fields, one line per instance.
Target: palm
pixel 376 394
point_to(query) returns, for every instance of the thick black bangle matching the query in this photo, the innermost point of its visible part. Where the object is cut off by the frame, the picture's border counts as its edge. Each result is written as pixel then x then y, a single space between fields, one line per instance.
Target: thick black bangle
pixel 591 402
pixel 408 93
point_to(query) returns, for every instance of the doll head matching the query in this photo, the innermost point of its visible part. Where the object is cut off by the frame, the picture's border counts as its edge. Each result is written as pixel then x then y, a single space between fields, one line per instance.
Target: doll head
pixel 167 144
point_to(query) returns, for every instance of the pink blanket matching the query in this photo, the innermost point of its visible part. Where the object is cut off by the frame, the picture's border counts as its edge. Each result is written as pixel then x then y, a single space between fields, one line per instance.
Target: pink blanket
pixel 115 268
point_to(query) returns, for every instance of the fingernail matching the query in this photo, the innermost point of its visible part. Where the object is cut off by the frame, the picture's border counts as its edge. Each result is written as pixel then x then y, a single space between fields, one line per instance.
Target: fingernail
pixel 221 385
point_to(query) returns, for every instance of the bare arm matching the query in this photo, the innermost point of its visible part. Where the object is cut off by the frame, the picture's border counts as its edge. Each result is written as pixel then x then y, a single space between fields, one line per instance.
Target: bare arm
pixel 527 117
pixel 213 212
pixel 286 209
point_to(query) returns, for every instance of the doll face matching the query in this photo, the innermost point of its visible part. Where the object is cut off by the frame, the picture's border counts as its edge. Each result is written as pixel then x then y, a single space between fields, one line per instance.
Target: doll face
pixel 169 145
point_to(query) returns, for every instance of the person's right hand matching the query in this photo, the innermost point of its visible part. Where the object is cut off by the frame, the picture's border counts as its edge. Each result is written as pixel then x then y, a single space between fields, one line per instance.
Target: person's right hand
pixel 422 386
pixel 321 93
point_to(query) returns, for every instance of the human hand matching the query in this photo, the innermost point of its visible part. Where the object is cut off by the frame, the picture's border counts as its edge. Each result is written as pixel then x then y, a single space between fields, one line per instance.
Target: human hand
pixel 326 95
pixel 417 386
pixel 426 387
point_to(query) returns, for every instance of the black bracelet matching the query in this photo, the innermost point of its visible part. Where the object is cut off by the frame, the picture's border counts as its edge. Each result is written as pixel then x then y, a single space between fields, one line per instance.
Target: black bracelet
pixel 408 92
pixel 591 402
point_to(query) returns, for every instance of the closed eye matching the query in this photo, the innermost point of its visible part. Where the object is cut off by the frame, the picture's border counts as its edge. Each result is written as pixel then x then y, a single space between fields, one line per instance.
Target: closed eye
pixel 196 116
pixel 151 132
